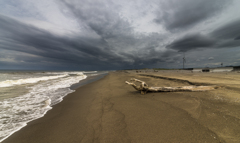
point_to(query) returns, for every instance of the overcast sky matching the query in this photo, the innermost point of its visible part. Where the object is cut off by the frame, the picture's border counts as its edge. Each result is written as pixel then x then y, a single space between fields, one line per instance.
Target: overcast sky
pixel 118 34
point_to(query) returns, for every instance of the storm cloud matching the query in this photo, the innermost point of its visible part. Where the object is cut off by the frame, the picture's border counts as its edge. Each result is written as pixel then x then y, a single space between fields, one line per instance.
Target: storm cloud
pixel 230 30
pixel 104 35
pixel 181 14
pixel 226 36
pixel 191 42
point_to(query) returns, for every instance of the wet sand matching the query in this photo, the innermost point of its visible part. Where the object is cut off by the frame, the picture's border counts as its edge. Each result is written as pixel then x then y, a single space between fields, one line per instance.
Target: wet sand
pixel 110 111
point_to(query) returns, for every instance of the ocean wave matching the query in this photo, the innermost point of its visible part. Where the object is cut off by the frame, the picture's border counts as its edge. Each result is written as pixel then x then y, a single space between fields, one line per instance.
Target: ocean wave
pixel 18 111
pixel 8 83
pixel 71 72
pixel 90 72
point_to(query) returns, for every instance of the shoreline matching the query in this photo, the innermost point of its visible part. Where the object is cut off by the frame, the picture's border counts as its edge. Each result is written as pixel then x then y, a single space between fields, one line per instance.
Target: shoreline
pixel 88 80
pixel 74 87
pixel 108 110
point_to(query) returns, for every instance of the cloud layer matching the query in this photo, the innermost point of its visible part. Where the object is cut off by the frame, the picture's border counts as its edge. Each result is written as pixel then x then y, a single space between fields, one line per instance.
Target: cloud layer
pixel 104 35
pixel 182 14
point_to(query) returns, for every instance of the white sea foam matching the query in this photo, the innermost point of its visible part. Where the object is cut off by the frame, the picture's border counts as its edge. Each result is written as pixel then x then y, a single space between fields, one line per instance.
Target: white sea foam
pixel 72 72
pixel 16 112
pixel 9 83
pixel 90 72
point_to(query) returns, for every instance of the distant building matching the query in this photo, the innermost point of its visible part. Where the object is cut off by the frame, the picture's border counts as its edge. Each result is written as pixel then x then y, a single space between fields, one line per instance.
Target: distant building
pixel 197 70
pixel 222 69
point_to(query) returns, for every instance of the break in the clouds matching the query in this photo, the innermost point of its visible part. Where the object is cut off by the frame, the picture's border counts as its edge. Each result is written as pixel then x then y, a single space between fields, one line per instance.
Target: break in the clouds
pixel 103 35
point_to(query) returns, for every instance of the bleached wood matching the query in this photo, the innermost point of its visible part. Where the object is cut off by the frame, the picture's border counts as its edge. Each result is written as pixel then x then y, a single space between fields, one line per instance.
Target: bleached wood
pixel 144 88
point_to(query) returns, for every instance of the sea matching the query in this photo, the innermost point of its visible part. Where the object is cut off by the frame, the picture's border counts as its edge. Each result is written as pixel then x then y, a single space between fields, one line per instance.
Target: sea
pixel 28 95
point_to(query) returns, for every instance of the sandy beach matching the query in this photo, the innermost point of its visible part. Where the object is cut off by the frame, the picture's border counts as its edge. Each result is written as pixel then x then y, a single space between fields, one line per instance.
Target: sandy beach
pixel 110 111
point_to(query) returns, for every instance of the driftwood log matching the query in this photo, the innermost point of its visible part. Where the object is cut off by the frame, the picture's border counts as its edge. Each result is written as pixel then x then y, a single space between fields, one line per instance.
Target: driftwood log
pixel 144 88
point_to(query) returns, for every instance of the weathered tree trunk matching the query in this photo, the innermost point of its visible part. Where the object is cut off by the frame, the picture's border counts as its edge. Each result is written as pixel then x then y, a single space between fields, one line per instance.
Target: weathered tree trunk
pixel 144 88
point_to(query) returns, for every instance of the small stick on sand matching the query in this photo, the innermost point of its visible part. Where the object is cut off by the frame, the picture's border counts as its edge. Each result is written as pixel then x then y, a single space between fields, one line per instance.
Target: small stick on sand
pixel 144 88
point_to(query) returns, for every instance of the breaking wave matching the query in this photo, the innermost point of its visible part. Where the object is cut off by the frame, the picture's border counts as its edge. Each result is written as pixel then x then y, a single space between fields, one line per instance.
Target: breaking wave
pixel 44 92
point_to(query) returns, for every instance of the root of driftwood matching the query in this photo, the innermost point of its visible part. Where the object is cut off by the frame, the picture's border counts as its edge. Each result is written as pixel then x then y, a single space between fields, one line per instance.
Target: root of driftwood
pixel 144 88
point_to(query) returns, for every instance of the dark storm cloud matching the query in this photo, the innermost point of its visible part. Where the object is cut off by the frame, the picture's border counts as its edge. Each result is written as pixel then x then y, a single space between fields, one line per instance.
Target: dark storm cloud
pixel 229 31
pixel 237 38
pixel 177 14
pixel 103 18
pixel 28 39
pixel 191 42
pixel 226 36
pixel 79 50
pixel 106 40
